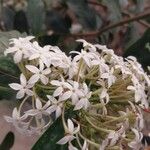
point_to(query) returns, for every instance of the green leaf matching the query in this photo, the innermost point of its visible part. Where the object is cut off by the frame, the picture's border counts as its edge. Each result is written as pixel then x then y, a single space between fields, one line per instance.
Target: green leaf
pixel 9 73
pixel 140 50
pixel 8 141
pixel 35 14
pixel 49 139
pixel 5 37
pixel 8 67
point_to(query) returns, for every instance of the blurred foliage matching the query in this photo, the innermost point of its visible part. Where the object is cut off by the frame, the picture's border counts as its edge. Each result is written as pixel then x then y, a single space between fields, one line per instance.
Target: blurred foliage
pixel 59 22
pixel 50 19
pixel 140 50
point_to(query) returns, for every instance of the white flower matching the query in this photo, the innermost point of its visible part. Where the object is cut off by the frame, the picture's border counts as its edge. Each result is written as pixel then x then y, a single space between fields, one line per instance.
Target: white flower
pixel 38 73
pixel 62 85
pixel 41 53
pixel 22 88
pixel 88 45
pixel 113 138
pixel 75 91
pixel 20 48
pixel 56 106
pixel 136 143
pixel 84 100
pixel 110 77
pixel 39 109
pixel 86 56
pixel 71 130
pixel 17 120
pixel 139 94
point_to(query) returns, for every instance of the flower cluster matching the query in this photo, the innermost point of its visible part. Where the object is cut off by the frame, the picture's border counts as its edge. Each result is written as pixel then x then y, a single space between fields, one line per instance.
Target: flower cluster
pixel 107 92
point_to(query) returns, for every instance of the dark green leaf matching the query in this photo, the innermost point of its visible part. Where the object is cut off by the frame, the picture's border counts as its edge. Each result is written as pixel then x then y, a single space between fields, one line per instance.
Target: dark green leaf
pixel 140 50
pixel 49 139
pixel 8 67
pixel 9 73
pixel 8 141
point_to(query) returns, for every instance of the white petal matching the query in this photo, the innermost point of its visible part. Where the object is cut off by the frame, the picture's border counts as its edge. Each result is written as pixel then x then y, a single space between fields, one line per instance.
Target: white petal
pixel 79 104
pixel 70 126
pixel 51 109
pixel 46 71
pixel 58 91
pixel 41 66
pixel 10 50
pixel 15 114
pixel 44 79
pixel 58 111
pixel 20 94
pixel 32 68
pixel 29 92
pixel 74 98
pixel 34 56
pixel 33 79
pixel 55 82
pixel 15 86
pixel 23 80
pixel 66 95
pixel 32 112
pixel 132 88
pixel 8 119
pixel 38 103
pixel 65 139
pixel 18 56
pixel 47 104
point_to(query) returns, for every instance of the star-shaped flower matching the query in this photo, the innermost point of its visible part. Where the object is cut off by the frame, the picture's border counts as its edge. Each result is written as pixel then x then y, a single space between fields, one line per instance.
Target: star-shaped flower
pixel 71 130
pixel 20 48
pixel 39 73
pixel 22 88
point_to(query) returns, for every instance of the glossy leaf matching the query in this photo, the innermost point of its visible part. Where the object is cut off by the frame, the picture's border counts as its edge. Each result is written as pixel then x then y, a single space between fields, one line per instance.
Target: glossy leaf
pixel 49 139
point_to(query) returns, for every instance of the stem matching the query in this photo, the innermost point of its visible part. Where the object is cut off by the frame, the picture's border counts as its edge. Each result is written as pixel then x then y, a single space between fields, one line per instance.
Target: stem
pixel 96 92
pixel 80 66
pixel 77 137
pixel 22 68
pixel 45 87
pixel 89 141
pixel 102 116
pixel 19 110
pixel 63 120
pixel 97 128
